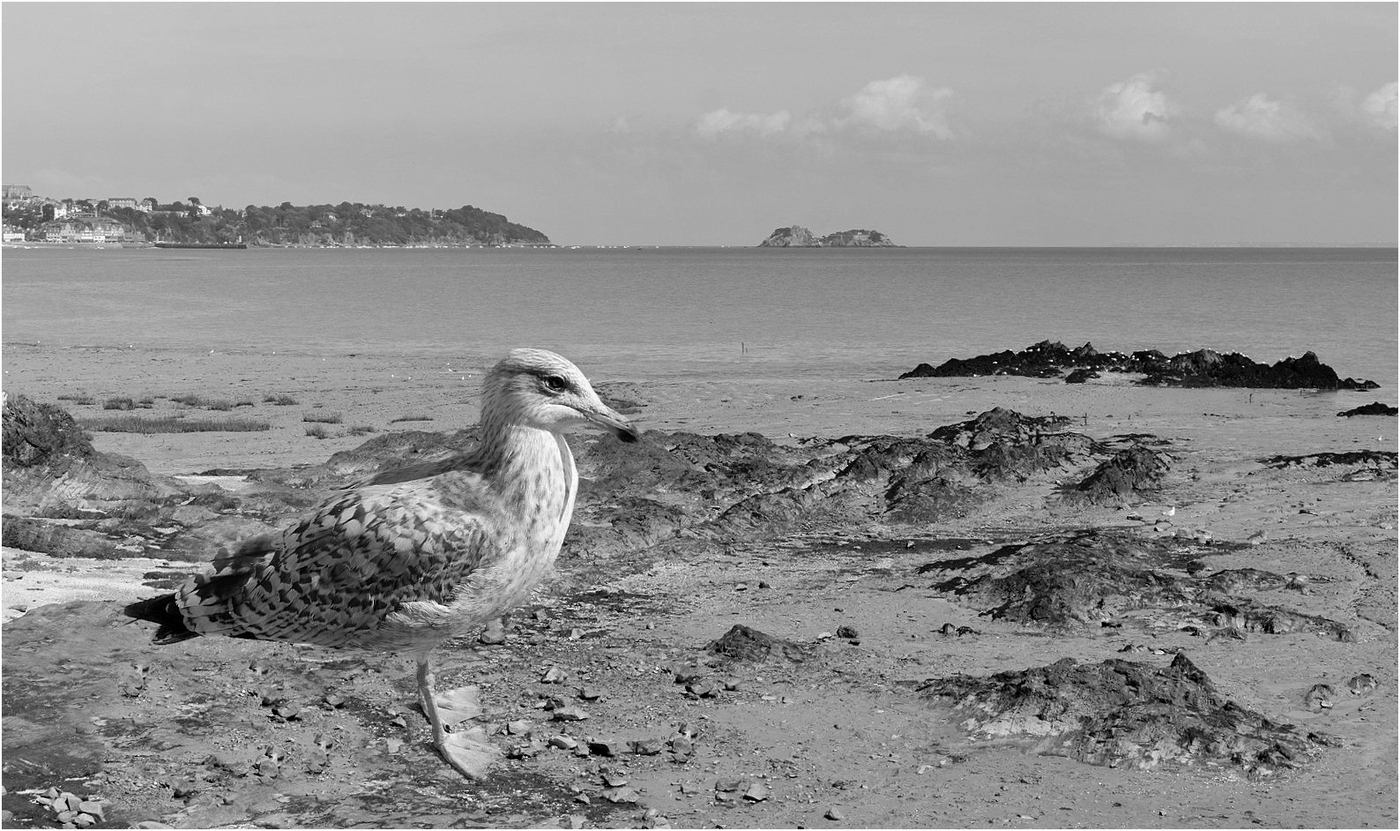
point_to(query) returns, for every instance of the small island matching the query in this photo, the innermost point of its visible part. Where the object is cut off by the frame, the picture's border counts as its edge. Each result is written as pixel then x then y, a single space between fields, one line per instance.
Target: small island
pixel 795 236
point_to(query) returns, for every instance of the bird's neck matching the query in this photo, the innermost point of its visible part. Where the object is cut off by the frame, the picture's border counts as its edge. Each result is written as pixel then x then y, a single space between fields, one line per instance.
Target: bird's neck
pixel 532 471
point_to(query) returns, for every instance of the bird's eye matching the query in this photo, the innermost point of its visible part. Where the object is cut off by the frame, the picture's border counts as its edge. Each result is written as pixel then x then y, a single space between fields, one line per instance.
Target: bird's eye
pixel 555 383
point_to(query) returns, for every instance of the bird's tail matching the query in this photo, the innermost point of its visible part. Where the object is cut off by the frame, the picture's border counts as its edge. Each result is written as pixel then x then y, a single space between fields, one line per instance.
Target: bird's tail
pixel 166 612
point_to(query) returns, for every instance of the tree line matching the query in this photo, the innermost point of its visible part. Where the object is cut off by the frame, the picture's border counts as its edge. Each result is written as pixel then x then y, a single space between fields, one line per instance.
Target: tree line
pixel 348 223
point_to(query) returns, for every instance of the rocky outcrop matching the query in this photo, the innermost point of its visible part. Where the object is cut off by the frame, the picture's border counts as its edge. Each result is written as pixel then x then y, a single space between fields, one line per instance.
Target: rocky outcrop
pixel 795 236
pixel 1374 408
pixel 1097 578
pixel 1201 368
pixel 1122 712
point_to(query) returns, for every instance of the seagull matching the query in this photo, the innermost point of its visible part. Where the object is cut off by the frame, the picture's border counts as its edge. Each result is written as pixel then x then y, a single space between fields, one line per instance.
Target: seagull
pixel 410 558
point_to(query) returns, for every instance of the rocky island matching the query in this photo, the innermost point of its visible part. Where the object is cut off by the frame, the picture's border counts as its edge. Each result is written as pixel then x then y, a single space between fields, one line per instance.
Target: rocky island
pixel 795 236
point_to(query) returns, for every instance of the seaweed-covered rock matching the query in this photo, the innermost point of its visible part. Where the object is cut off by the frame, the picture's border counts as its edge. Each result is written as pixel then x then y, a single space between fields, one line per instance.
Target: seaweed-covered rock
pixel 1201 368
pixel 1374 408
pixel 1120 712
pixel 1093 577
pixel 1127 475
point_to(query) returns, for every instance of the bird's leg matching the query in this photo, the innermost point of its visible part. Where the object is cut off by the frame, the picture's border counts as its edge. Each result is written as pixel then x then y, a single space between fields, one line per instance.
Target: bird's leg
pixel 468 751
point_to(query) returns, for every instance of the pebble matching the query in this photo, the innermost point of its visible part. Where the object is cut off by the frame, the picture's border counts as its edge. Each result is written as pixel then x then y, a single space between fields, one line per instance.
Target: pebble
pixel 648 746
pixel 553 675
pixel 589 694
pixel 569 714
pixel 730 785
pixel 622 796
pixel 834 814
pixel 607 747
pixel 847 632
pixel 1361 684
pixel 563 742
pixel 614 778
pixel 757 792
pixel 518 727
pixel 1320 697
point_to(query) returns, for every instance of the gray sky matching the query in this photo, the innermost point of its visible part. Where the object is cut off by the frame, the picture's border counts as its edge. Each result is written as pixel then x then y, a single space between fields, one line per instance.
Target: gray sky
pixel 710 124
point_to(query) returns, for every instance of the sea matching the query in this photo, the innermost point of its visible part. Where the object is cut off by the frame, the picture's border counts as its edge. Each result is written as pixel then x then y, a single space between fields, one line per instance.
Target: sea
pixel 867 313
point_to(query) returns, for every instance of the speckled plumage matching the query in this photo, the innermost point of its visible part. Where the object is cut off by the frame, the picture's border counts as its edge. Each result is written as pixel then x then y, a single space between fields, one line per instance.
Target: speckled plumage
pixel 411 558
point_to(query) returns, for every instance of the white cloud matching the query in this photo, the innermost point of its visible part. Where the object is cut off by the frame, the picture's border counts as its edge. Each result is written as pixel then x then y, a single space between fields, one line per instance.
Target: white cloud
pixel 902 103
pixel 1379 107
pixel 899 103
pixel 711 124
pixel 1260 116
pixel 1134 109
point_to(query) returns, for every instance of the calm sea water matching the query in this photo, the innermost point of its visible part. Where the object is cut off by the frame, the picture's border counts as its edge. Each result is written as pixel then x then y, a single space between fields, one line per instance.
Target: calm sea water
pixel 869 313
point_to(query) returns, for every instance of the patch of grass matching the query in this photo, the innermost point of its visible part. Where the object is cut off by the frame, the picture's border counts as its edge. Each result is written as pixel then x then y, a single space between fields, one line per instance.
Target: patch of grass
pixel 191 400
pixel 243 402
pixel 358 431
pixel 78 398
pixel 317 431
pixel 119 403
pixel 321 418
pixel 280 400
pixel 171 424
pixel 412 418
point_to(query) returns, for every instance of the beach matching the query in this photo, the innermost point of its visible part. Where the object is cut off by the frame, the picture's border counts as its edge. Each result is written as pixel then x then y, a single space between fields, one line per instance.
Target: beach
pixel 841 731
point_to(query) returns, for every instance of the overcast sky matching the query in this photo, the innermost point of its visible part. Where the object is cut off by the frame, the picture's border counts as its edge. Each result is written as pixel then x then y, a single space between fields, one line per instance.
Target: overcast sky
pixel 710 124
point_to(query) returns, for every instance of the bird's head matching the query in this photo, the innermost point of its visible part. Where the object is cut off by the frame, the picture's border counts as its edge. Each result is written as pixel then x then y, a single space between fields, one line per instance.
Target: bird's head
pixel 540 389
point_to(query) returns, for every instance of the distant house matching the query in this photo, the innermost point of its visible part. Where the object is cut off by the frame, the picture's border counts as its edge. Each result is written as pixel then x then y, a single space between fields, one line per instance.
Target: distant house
pixel 84 228
pixel 15 195
pixel 122 202
pixel 12 235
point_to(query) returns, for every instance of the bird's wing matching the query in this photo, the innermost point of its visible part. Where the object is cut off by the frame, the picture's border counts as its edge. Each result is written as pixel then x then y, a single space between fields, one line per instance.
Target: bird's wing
pixel 337 574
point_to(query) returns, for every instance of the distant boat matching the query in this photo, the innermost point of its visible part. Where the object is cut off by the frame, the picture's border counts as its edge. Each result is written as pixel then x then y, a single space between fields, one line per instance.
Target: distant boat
pixel 201 245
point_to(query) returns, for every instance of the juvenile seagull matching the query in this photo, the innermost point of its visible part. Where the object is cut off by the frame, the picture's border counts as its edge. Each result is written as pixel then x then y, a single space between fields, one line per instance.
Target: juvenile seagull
pixel 416 556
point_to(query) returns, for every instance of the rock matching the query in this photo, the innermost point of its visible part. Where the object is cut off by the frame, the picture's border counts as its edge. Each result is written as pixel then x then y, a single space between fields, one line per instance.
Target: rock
pixel 649 746
pixel 609 747
pixel 795 236
pixel 1117 711
pixel 569 714
pixel 756 792
pixel 1362 684
pixel 1374 408
pixel 622 796
pixel 1202 368
pixel 1127 477
pixel 743 643
pixel 494 633
pixel 834 814
pixel 1320 697
pixel 553 675
pixel 563 742
pixel 847 632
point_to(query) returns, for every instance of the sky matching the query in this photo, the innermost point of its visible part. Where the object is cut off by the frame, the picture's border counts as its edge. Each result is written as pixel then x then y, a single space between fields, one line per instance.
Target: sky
pixel 714 124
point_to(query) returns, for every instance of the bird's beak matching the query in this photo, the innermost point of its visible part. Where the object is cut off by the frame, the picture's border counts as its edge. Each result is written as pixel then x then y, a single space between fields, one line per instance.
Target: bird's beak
pixel 611 420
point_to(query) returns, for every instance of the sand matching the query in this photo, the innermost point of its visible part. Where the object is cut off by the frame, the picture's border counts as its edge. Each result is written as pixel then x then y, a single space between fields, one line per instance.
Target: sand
pixel 1342 533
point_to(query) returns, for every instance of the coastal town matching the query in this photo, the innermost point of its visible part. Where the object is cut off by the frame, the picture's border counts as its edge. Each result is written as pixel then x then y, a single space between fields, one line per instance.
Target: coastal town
pixel 33 220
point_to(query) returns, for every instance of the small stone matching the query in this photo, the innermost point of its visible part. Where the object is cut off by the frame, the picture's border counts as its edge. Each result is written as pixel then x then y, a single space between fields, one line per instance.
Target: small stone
pixel 494 633
pixel 681 746
pixel 825 636
pixel 519 727
pixel 575 634
pixel 731 684
pixel 763 584
pixel 730 785
pixel 569 714
pixel 701 689
pixel 847 632
pixel 553 675
pixel 757 792
pixel 563 742
pixel 685 675
pixel 589 693
pixel 398 721
pixel 84 820
pixel 622 796
pixel 1361 684
pixel 89 806
pixel 607 747
pixel 334 700
pixel 648 746
pixel 1320 697
pixel 614 778
pixel 834 814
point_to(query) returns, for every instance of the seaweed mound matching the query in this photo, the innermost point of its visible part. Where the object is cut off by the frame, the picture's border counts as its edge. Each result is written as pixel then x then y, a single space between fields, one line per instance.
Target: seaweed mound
pixel 1122 712
pixel 1201 368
